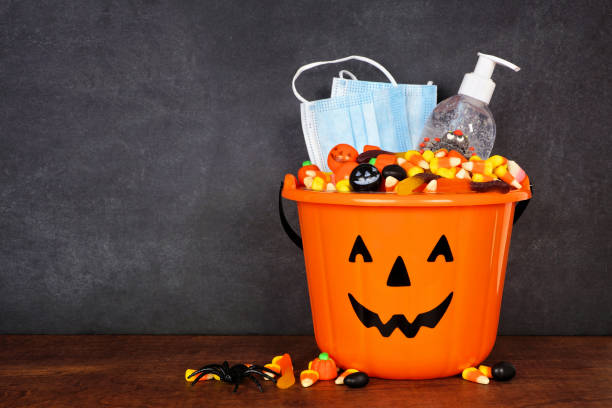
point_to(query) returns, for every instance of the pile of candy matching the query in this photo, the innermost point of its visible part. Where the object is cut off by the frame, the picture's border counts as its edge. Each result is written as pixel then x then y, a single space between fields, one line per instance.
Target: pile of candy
pixel 440 171
pixel 501 371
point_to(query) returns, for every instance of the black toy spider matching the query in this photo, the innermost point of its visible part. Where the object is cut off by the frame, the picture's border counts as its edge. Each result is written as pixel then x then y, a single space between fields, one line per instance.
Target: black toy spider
pixel 455 140
pixel 235 374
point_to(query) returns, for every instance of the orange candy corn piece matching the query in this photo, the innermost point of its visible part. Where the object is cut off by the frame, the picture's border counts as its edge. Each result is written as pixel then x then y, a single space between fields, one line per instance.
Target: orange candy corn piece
pixel 308 378
pixel 341 377
pixel 473 375
pixel 485 370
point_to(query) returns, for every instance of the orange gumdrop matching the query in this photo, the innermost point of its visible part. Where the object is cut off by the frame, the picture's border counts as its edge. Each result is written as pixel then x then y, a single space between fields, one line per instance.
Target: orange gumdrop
pixel 341 154
pixel 370 147
pixel 287 378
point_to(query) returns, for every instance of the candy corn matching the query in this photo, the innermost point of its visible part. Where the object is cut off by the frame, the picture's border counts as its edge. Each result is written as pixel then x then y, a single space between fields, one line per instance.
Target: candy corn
pixel 318 183
pixel 431 187
pixel 446 173
pixel 503 173
pixel 473 375
pixel 206 377
pixel 390 183
pixel 478 166
pixel 416 159
pixel 516 171
pixel 485 370
pixel 414 171
pixel 341 377
pixel 428 155
pixel 463 174
pixel 440 153
pixel 308 377
pixel 330 187
pixel 454 153
pixel 497 160
pixel 343 186
pixel 482 178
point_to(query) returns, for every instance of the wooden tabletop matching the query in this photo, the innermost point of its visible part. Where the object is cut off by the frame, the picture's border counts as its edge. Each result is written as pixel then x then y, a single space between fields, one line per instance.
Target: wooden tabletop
pixel 142 371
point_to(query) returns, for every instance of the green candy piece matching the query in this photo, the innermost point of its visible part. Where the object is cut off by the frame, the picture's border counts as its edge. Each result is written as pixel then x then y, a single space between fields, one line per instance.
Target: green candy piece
pixel 323 356
pixel 372 161
pixel 306 163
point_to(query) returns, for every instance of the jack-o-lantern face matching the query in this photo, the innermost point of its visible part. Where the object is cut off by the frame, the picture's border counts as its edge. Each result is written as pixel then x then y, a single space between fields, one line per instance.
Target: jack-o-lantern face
pixel 341 154
pixel 398 277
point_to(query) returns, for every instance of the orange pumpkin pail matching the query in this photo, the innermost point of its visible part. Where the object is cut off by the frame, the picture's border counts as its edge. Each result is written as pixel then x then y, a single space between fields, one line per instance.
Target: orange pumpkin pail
pixel 405 287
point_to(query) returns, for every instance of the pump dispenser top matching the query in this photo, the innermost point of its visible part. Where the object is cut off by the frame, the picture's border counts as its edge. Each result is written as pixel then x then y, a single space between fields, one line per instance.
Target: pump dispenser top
pixel 464 122
pixel 478 84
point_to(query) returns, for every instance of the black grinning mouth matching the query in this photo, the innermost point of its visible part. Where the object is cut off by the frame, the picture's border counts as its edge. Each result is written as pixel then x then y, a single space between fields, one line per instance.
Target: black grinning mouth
pixel 428 319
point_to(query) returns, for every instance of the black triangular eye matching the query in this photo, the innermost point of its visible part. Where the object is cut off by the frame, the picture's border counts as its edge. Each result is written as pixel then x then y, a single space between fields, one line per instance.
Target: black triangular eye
pixel 360 248
pixel 441 248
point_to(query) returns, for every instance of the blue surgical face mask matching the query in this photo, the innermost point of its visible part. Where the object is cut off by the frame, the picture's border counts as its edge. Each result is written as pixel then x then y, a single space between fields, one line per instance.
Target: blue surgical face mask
pixel 375 115
pixel 420 100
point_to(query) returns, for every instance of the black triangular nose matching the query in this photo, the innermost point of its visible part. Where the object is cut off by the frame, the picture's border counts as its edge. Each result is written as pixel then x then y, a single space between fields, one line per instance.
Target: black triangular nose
pixel 399 274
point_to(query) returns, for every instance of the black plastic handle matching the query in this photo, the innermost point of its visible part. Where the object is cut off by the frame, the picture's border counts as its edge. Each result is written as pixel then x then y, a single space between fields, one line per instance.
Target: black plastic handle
pixel 294 236
pixel 520 208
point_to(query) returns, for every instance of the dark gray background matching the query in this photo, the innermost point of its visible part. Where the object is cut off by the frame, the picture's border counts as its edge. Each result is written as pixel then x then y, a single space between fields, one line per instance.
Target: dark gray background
pixel 142 144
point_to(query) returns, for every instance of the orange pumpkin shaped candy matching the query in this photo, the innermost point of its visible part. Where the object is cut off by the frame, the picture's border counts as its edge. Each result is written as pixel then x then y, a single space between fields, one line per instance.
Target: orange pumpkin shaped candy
pixel 341 154
pixel 325 366
pixel 307 170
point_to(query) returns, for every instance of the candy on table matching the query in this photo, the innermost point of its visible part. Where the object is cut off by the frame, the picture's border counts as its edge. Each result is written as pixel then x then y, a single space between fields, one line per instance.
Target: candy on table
pixel 473 375
pixel 287 379
pixel 205 377
pixel 274 367
pixel 343 186
pixel 495 185
pixel 356 380
pixel 325 366
pixel 308 378
pixel 516 171
pixel 341 377
pixel 504 175
pixel 341 154
pixel 485 370
pixel 365 177
pixel 503 371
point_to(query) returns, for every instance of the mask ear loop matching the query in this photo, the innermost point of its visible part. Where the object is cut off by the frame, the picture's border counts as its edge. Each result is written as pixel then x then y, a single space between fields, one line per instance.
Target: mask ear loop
pixel 352 57
pixel 348 74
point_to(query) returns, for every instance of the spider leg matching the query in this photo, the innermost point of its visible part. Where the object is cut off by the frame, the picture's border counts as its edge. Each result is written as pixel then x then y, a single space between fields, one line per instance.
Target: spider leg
pixel 236 387
pixel 252 377
pixel 202 372
pixel 262 373
pixel 206 367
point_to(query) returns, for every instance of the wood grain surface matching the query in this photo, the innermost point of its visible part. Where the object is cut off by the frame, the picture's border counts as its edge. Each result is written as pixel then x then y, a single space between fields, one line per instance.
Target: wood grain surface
pixel 148 371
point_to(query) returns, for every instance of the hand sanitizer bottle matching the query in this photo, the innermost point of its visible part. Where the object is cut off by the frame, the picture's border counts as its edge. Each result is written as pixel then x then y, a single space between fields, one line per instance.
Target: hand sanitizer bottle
pixel 464 122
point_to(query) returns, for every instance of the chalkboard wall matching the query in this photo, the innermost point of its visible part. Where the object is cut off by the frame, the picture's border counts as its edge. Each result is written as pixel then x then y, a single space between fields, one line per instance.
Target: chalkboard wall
pixel 142 144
